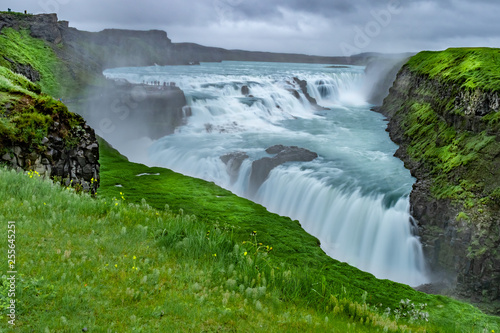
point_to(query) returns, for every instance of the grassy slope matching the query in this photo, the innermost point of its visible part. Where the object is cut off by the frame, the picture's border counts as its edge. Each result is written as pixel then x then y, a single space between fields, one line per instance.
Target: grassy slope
pixel 26 115
pixel 104 264
pixel 107 263
pixel 471 68
pixel 21 48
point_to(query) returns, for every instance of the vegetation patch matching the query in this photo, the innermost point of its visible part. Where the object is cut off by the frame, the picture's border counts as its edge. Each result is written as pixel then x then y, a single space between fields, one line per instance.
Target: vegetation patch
pixel 447 152
pixel 470 68
pixel 27 116
pixel 21 48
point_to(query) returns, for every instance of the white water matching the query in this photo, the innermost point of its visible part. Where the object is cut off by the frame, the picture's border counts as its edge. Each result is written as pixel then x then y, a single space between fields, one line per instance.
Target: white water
pixel 353 197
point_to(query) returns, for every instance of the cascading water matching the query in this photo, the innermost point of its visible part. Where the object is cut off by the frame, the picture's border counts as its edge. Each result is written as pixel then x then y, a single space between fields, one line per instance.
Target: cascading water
pixel 353 197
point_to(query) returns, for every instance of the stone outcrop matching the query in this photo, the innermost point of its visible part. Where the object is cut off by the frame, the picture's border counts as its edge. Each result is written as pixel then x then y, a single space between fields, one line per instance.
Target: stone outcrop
pixel 42 26
pixel 137 110
pixel 302 84
pixel 233 163
pixel 245 91
pixel 74 163
pixel 25 69
pixel 262 167
pixel 457 210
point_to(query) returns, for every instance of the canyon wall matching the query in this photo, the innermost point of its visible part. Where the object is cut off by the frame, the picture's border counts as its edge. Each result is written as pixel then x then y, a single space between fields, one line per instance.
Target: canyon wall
pixel 444 115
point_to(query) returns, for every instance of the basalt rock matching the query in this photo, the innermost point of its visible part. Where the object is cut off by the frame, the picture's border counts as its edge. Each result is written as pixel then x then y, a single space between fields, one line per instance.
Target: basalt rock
pixel 25 69
pixel 233 163
pixel 303 87
pixel 262 167
pixel 74 164
pixel 460 233
pixel 245 90
pixel 43 26
pixel 137 110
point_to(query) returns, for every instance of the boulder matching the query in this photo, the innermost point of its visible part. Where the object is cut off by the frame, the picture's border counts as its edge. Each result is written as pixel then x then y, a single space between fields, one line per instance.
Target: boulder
pixel 245 90
pixel 303 87
pixel 233 163
pixel 262 167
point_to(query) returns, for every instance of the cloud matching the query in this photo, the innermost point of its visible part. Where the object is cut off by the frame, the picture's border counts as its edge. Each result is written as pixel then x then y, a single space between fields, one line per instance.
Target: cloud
pixel 320 27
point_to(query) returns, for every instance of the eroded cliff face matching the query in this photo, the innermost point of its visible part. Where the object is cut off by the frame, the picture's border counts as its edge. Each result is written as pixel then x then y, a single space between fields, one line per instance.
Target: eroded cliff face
pixel 42 136
pixel 449 140
pixel 43 26
pixel 131 111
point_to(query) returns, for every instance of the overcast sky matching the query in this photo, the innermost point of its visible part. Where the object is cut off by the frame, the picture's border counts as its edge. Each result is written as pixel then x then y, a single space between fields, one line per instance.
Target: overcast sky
pixel 319 27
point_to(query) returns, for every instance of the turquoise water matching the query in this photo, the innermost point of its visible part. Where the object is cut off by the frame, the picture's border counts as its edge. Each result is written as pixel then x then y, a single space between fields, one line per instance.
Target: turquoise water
pixel 353 197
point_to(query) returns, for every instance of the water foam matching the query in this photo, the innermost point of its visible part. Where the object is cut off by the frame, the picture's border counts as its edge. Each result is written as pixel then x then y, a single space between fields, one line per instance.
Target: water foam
pixel 354 197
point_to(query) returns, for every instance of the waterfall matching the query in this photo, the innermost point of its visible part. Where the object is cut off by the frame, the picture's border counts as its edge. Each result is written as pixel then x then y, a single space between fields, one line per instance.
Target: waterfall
pixel 361 229
pixel 354 197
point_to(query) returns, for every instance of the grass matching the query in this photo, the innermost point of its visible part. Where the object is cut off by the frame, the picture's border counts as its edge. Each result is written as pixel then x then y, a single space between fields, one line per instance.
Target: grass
pixel 26 115
pixel 470 68
pixel 19 14
pixel 20 47
pixel 109 264
pixel 291 245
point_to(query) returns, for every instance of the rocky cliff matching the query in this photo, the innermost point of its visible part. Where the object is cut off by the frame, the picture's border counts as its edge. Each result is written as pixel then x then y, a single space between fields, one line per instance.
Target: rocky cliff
pixel 134 111
pixel 443 111
pixel 92 52
pixel 39 134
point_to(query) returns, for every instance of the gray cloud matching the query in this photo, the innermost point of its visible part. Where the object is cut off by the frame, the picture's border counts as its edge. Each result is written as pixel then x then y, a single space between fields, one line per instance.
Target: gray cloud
pixel 323 27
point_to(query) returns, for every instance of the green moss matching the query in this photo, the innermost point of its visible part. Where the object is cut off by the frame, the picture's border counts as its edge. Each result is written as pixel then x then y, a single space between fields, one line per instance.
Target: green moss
pixel 493 120
pixel 16 84
pixel 438 144
pixel 495 196
pixel 462 217
pixel 470 68
pixel 31 127
pixel 28 118
pixel 23 49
